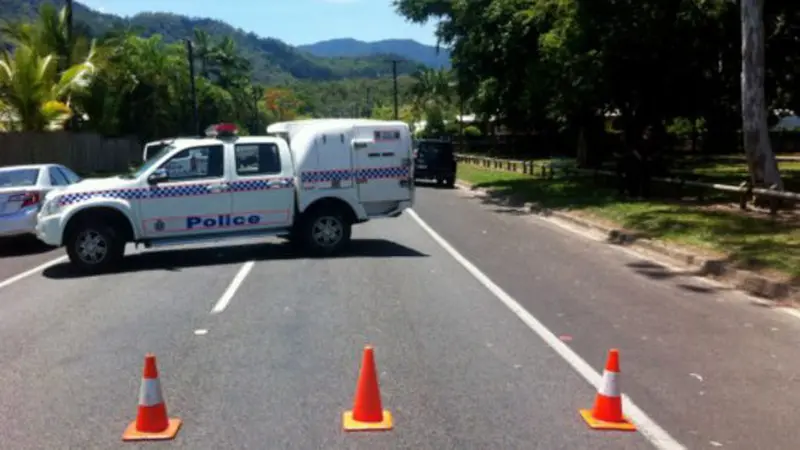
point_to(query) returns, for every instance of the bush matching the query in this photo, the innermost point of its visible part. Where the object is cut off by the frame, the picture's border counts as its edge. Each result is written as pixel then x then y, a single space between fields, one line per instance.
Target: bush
pixel 472 131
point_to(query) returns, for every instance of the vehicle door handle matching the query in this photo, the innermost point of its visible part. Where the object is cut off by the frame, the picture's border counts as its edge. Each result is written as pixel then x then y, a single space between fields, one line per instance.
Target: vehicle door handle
pixel 218 187
pixel 273 183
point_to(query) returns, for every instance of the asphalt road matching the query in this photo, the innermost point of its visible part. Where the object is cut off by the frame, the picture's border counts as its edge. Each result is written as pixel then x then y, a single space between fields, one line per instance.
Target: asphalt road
pixel 709 365
pixel 18 255
pixel 458 369
pixel 278 366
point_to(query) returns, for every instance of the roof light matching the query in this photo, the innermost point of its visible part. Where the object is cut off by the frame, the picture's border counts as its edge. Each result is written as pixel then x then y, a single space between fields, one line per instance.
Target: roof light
pixel 222 130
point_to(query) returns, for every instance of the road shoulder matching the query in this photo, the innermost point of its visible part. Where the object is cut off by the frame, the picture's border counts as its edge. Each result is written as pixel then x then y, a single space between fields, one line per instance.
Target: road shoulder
pixel 778 292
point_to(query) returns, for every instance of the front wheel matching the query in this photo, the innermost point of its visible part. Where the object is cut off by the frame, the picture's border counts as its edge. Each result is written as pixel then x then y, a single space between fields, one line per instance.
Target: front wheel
pixel 94 248
pixel 325 231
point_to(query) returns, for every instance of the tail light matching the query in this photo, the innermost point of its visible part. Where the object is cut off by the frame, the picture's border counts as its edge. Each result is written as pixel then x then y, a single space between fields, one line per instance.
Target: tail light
pixel 27 199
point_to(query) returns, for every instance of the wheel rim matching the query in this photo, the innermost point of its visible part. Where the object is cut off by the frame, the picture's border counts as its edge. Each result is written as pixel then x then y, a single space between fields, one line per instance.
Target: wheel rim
pixel 327 231
pixel 91 246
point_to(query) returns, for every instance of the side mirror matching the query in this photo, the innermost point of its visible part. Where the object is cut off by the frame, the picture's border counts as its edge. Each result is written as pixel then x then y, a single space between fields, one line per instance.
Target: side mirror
pixel 159 175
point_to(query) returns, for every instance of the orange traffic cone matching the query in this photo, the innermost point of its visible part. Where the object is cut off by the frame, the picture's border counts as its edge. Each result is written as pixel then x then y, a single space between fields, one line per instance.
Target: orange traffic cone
pixel 607 411
pixel 152 422
pixel 367 413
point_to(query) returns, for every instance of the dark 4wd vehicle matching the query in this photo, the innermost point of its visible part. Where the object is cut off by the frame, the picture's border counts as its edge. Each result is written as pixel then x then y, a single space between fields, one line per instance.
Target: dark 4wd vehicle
pixel 434 160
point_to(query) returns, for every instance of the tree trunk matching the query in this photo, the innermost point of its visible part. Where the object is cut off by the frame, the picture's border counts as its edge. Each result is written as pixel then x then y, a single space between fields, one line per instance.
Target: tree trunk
pixel 760 159
pixel 583 149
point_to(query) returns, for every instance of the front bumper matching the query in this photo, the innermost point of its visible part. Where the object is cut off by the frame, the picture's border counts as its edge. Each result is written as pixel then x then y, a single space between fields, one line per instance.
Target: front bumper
pixel 20 223
pixel 48 230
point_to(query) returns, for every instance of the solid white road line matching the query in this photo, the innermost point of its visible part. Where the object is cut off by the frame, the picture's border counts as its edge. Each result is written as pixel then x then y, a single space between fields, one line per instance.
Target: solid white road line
pixel 33 271
pixel 649 429
pixel 223 301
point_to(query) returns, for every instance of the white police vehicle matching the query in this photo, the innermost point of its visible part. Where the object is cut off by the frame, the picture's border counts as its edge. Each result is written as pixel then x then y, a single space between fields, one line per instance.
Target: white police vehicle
pixel 335 173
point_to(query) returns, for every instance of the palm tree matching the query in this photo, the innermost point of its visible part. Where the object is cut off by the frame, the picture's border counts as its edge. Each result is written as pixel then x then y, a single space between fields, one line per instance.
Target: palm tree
pixel 231 68
pixel 203 48
pixel 431 88
pixel 49 39
pixel 49 34
pixel 431 96
pixel 36 94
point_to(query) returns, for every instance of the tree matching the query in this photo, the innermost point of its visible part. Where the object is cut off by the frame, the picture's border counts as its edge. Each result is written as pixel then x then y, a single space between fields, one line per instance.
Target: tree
pixel 37 95
pixel 282 103
pixel 760 159
pixel 558 68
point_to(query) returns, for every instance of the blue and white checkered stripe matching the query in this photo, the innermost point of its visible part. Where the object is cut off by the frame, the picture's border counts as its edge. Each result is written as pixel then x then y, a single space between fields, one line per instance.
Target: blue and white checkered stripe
pixel 187 190
pixel 383 173
pixel 375 173
pixel 260 184
pixel 326 175
pixel 123 194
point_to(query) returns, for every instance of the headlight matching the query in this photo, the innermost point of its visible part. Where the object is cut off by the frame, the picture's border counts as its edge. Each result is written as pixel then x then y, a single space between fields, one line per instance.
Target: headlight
pixel 51 206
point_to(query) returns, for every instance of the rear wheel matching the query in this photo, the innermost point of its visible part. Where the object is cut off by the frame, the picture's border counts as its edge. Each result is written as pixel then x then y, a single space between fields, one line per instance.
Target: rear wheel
pixel 94 247
pixel 450 182
pixel 325 231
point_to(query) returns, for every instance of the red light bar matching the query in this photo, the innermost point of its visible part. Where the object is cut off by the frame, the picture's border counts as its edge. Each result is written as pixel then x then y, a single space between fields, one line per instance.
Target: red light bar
pixel 222 129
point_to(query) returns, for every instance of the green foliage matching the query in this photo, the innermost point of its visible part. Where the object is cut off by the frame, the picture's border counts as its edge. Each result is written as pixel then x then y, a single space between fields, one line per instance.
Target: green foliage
pixel 140 82
pixel 271 60
pixel 562 65
pixel 472 131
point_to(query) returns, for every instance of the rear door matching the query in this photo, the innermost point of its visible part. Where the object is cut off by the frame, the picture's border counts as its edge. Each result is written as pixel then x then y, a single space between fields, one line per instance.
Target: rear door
pixel 382 163
pixel 262 185
pixel 434 157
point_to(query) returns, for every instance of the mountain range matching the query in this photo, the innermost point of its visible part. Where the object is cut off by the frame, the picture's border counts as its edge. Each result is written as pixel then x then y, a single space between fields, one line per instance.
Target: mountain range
pixel 406 48
pixel 272 59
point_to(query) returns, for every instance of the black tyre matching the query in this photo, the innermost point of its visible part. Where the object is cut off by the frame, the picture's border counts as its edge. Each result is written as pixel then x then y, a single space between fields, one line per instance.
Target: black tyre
pixel 325 231
pixel 450 182
pixel 94 247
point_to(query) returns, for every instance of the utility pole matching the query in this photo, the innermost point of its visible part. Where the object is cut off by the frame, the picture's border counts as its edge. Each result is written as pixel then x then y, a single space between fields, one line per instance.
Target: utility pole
pixel 396 101
pixel 256 97
pixel 196 112
pixel 369 102
pixel 68 57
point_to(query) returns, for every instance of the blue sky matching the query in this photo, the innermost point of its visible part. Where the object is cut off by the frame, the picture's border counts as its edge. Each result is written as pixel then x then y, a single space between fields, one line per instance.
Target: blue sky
pixel 296 22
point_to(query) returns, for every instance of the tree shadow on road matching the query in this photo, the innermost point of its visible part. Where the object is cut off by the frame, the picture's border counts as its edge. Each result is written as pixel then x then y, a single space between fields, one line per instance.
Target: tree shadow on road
pixel 753 243
pixel 177 259
pixel 659 272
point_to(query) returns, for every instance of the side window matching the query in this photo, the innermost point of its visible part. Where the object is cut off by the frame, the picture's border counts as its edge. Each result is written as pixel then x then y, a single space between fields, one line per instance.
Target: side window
pixel 56 178
pixel 257 159
pixel 152 150
pixel 71 176
pixel 196 163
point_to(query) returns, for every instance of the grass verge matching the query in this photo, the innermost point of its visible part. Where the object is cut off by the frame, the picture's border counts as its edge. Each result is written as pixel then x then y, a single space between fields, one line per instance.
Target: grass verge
pixel 750 242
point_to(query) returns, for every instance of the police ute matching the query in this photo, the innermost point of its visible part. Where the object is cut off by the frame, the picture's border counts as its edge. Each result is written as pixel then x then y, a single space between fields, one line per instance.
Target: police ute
pixel 311 189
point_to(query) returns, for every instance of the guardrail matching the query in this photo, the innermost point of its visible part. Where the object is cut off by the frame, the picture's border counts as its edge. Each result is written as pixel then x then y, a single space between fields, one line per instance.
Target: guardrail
pixel 548 169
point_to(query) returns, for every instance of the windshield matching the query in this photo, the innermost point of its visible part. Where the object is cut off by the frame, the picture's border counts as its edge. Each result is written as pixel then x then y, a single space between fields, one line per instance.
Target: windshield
pixel 149 163
pixel 435 149
pixel 18 177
